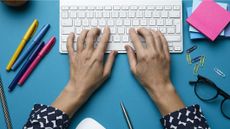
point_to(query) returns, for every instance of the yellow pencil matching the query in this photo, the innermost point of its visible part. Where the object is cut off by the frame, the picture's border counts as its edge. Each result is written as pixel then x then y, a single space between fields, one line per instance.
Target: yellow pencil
pixel 22 44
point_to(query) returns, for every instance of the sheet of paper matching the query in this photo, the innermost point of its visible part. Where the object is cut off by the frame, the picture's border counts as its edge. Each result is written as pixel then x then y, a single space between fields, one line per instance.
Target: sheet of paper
pixel 210 19
pixel 195 4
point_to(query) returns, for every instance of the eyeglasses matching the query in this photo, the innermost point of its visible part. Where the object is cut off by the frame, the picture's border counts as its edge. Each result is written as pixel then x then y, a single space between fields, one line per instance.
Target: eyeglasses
pixel 206 90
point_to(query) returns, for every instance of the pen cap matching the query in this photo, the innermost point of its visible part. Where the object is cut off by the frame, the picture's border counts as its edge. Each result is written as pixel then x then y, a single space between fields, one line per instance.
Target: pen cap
pixel 32 29
pixel 48 46
pixel 42 32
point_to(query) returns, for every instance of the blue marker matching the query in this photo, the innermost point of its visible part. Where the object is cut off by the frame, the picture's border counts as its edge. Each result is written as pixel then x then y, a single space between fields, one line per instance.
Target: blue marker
pixel 30 59
pixel 36 40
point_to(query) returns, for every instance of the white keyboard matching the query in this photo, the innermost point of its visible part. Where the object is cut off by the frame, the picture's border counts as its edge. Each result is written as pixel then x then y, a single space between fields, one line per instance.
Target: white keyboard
pixel 166 18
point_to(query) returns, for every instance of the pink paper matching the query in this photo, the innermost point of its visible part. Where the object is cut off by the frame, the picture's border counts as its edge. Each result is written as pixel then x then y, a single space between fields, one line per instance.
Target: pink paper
pixel 209 18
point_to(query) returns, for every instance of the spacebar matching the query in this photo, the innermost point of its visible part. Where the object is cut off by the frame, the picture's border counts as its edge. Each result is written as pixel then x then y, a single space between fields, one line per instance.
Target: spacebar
pixel 172 38
pixel 116 46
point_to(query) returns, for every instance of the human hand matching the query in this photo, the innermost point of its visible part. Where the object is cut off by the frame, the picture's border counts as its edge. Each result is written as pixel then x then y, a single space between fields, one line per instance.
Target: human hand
pixel 87 69
pixel 151 66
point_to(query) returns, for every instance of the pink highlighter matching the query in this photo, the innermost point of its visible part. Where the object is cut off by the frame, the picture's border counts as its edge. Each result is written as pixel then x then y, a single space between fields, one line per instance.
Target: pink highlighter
pixel 39 57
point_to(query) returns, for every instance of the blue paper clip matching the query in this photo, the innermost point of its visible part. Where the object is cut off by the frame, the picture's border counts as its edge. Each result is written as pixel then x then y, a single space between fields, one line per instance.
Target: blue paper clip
pixel 219 72
pixel 196 59
pixel 191 49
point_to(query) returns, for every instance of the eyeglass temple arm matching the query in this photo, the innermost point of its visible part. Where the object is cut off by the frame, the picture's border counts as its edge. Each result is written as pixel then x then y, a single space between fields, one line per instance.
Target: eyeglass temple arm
pixel 192 82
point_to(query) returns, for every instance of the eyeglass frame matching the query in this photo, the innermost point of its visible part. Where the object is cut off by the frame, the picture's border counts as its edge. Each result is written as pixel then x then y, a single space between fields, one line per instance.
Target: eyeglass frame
pixel 213 85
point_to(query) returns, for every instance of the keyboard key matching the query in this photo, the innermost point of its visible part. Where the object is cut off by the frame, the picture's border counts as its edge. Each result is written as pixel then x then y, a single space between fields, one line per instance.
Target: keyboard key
pixel 65 7
pixel 115 14
pixel 98 14
pixel 82 7
pixel 162 30
pixel 170 30
pixel 99 8
pixel 110 22
pixel 152 22
pixel 142 7
pixel 120 30
pixel 127 22
pixel 133 7
pixel 168 7
pixel 67 22
pixel 125 7
pixel 102 22
pixel 90 14
pixel 106 14
pixel 160 22
pixel 174 14
pixel 131 14
pixel 148 14
pixel 73 14
pixel 125 38
pixel 168 22
pixel 151 7
pixel 116 7
pixel 64 38
pixel 176 7
pixel 156 14
pixel 63 47
pixel 67 30
pixel 177 23
pixel 143 22
pixel 164 14
pixel 119 22
pixel 77 22
pixel 116 38
pixel 94 22
pixel 159 7
pixel 85 22
pixel 64 14
pixel 113 30
pixel 108 7
pixel 139 14
pixel 122 14
pixel 78 30
pixel 81 14
pixel 135 22
pixel 73 8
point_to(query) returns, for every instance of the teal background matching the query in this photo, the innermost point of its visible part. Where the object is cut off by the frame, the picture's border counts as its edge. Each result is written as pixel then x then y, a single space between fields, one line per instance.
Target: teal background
pixel 52 74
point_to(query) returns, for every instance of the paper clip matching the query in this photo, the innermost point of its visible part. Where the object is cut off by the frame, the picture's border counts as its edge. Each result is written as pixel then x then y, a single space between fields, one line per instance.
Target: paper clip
pixel 219 72
pixel 194 47
pixel 202 60
pixel 196 59
pixel 188 58
pixel 196 69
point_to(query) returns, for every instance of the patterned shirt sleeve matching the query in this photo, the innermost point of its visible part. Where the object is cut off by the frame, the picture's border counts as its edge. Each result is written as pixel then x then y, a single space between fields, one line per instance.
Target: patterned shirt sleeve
pixel 43 116
pixel 186 118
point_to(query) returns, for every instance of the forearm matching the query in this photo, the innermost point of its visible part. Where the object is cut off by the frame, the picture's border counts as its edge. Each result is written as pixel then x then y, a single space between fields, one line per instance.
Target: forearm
pixel 70 100
pixel 166 98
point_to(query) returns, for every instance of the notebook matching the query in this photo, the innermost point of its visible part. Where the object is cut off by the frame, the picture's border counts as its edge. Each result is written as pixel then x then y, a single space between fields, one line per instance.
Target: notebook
pixel 210 19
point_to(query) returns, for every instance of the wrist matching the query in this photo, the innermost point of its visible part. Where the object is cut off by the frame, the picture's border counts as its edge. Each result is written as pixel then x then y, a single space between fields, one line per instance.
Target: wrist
pixel 70 100
pixel 166 98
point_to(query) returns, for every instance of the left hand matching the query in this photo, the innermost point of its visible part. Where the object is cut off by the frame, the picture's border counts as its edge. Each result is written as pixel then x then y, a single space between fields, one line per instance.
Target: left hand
pixel 87 70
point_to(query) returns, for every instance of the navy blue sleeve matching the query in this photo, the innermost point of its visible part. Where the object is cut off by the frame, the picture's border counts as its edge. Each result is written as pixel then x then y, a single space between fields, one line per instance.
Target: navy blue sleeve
pixel 43 116
pixel 186 118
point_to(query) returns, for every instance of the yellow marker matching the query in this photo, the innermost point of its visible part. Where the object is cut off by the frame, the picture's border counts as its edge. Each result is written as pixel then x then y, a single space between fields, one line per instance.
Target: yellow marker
pixel 26 37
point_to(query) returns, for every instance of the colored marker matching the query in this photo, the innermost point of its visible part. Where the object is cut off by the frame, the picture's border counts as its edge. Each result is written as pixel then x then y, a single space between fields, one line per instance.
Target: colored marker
pixel 39 57
pixel 36 40
pixel 22 44
pixel 13 84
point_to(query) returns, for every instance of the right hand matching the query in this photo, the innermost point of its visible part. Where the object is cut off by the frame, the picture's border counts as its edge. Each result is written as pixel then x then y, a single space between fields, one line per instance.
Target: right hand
pixel 151 66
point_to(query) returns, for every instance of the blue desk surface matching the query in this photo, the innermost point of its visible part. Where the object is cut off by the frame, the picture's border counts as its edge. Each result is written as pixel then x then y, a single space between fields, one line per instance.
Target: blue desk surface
pixel 48 80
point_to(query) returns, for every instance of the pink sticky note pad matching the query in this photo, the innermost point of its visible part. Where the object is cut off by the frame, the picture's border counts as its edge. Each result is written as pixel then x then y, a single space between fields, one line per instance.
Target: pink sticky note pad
pixel 209 18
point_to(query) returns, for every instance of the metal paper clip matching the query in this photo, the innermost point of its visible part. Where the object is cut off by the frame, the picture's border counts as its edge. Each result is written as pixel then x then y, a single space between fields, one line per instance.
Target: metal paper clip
pixel 202 60
pixel 196 59
pixel 219 72
pixel 188 58
pixel 194 47
pixel 196 69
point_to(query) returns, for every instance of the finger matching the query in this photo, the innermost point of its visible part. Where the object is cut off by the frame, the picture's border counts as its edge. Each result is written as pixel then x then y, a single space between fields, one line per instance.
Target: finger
pixel 109 64
pixel 81 40
pixel 165 45
pixel 157 41
pixel 147 36
pixel 136 41
pixel 69 45
pixel 104 41
pixel 91 37
pixel 132 58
